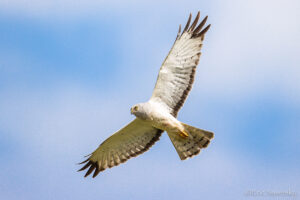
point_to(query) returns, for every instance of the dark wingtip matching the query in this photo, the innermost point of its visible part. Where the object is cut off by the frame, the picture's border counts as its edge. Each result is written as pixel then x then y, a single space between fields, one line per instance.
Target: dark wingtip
pixel 88 155
pixel 196 31
pixel 83 162
pixel 95 167
pixel 187 23
pixel 91 169
pixel 179 31
pixel 97 171
pixel 195 22
pixel 85 166
pixel 204 30
pixel 200 26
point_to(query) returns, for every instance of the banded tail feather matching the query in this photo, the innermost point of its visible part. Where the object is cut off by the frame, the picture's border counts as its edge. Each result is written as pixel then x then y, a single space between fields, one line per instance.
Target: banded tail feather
pixel 191 145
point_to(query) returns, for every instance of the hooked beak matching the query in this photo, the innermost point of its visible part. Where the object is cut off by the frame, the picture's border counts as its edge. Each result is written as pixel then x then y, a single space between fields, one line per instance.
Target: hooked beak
pixel 131 111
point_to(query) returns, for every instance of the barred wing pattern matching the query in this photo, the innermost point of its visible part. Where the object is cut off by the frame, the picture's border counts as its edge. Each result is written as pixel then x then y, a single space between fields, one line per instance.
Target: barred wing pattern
pixel 132 140
pixel 177 72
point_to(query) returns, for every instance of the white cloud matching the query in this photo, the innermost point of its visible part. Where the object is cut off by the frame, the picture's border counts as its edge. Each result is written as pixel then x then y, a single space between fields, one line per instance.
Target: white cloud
pixel 63 119
pixel 54 8
pixel 82 8
pixel 252 47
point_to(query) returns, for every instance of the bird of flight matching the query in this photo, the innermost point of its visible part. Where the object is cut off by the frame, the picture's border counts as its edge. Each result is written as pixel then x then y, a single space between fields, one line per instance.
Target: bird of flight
pixel 159 114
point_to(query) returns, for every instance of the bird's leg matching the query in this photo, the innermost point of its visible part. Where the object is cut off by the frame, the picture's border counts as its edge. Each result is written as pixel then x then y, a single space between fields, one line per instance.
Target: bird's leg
pixel 174 126
pixel 183 133
pixel 178 128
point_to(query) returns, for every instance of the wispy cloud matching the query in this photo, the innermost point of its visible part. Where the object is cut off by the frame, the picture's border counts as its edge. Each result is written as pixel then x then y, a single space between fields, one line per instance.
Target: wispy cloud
pixel 69 74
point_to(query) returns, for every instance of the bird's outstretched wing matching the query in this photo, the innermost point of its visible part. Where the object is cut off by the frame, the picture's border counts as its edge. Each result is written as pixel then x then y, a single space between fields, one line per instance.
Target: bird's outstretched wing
pixel 177 72
pixel 132 140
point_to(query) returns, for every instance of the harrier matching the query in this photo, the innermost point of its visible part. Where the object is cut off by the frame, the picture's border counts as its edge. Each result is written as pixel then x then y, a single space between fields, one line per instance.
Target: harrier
pixel 159 114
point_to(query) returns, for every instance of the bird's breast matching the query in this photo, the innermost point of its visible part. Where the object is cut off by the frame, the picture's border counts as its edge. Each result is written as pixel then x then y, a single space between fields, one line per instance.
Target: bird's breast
pixel 162 121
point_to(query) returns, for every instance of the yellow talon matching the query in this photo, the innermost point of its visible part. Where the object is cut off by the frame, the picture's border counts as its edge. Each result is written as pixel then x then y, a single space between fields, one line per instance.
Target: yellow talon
pixel 183 134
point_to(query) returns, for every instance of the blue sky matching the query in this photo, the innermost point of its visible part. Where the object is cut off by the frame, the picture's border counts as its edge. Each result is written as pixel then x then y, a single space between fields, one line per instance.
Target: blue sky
pixel 67 68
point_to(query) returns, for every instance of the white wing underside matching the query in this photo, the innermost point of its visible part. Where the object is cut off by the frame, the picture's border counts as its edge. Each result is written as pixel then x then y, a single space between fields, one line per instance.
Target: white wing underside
pixel 132 140
pixel 177 72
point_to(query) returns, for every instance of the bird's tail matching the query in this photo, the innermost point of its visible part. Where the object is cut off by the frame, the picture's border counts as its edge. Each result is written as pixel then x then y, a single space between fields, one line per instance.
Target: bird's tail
pixel 189 146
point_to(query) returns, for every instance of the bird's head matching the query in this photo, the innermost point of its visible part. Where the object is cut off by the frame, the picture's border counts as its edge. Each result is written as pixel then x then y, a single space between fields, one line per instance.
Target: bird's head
pixel 134 109
pixel 138 111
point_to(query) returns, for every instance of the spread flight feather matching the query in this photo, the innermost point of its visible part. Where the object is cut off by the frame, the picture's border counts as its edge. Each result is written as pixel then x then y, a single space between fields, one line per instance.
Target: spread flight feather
pixel 173 84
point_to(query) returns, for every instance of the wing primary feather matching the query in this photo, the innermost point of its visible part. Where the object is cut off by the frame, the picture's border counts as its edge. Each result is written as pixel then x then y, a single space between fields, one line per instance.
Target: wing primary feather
pixel 85 166
pixel 88 155
pixel 195 22
pixel 172 90
pixel 113 157
pixel 179 32
pixel 109 160
pixel 96 170
pixel 83 161
pixel 104 162
pixel 187 24
pixel 91 169
pixel 200 26
pixel 203 31
pixel 117 160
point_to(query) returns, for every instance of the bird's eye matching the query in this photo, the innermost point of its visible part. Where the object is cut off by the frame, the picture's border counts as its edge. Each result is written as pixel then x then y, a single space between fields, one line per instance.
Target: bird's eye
pixel 135 108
